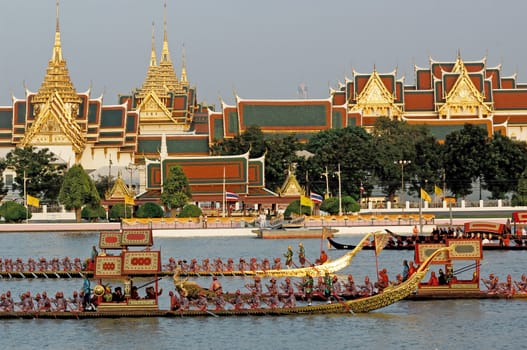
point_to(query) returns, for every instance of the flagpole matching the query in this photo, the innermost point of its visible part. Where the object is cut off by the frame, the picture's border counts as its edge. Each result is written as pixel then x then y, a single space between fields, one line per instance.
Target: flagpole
pixel 223 204
pixel 25 198
pixel 420 211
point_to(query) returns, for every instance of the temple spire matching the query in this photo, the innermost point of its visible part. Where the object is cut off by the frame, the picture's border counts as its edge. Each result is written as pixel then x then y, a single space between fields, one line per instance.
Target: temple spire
pixel 184 67
pixel 167 73
pixel 57 49
pixel 165 54
pixel 57 78
pixel 153 58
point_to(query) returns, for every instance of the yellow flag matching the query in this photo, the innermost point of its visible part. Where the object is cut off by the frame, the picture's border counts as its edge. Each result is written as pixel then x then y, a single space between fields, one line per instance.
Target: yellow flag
pixel 437 190
pixel 306 201
pixel 33 201
pixel 425 196
pixel 129 200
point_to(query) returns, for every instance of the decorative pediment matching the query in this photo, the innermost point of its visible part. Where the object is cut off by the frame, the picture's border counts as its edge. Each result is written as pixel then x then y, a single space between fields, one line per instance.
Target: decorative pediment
pixel 54 125
pixel 376 99
pixel 153 109
pixel 119 190
pixel 464 98
pixel 291 187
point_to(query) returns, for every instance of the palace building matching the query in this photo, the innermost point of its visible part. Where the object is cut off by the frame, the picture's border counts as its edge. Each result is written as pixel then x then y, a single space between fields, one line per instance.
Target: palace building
pixel 162 123
pixel 445 96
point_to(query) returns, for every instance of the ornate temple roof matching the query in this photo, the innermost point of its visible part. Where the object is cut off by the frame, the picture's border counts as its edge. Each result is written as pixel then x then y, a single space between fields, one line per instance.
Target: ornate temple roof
pixel 57 76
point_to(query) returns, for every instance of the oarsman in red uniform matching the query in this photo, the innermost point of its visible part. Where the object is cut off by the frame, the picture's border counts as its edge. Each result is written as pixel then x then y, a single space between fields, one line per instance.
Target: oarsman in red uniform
pixel 256 286
pixel 265 264
pixel 272 287
pixel 350 288
pixel 383 280
pixel 242 265
pixel 60 302
pixel 273 301
pixel 238 302
pixel 215 286
pixel 255 301
pixel 218 265
pixel 44 304
pixel 322 259
pixel 27 302
pixel 277 264
pixel 253 265
pixel 174 301
pixel 230 265
pixel 202 303
pixel 205 266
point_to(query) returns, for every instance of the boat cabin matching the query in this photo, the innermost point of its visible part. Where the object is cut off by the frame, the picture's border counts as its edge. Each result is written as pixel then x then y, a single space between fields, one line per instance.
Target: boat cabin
pixel 458 274
pixel 125 257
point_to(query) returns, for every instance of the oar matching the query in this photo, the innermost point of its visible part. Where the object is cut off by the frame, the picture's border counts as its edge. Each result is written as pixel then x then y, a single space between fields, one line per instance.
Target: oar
pixel 146 284
pixel 343 303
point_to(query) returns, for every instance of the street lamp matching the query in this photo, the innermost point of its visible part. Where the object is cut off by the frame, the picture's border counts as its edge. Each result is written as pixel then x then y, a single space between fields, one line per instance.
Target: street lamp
pixel 131 167
pixel 402 163
pixel 326 174
pixel 340 190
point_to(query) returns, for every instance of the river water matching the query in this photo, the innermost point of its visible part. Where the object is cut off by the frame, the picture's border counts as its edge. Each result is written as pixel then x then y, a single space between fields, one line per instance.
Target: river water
pixel 451 324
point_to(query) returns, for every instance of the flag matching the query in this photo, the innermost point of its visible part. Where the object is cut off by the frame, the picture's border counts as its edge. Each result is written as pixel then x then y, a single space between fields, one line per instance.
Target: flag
pixel 315 197
pixel 381 239
pixel 425 196
pixel 129 200
pixel 437 190
pixel 305 201
pixel 231 196
pixel 33 201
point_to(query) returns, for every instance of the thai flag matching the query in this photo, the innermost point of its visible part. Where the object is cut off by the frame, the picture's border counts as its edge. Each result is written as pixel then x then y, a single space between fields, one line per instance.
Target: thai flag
pixel 316 198
pixel 231 196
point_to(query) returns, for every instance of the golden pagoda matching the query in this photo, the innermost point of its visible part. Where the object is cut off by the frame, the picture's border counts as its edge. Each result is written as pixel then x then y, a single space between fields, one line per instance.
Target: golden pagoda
pixel 55 106
pixel 159 100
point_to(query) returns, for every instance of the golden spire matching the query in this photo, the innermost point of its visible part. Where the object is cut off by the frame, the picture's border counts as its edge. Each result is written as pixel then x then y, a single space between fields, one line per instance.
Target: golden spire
pixel 153 80
pixel 166 68
pixel 153 58
pixel 57 76
pixel 184 79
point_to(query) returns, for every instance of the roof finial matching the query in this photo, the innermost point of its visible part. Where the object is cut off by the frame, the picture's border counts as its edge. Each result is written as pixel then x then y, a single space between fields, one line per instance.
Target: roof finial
pixel 57 51
pixel 165 54
pixel 184 66
pixel 153 60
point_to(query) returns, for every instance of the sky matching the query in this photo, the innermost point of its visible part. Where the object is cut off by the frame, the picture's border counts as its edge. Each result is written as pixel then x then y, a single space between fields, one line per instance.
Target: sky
pixel 255 49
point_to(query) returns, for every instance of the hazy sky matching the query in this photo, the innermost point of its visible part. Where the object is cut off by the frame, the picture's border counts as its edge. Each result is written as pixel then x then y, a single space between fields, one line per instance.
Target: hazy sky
pixel 260 49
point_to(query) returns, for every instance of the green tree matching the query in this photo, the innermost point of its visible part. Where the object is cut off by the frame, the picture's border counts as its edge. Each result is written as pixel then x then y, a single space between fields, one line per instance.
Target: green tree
pixel 520 197
pixel 190 211
pixel 103 184
pixel 393 142
pixel 14 212
pixel 3 190
pixel 119 211
pixel 43 172
pixel 504 163
pixel 176 190
pixel 78 190
pixel 331 205
pixel 293 209
pixel 93 213
pixel 351 147
pixel 150 210
pixel 465 153
pixel 281 153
